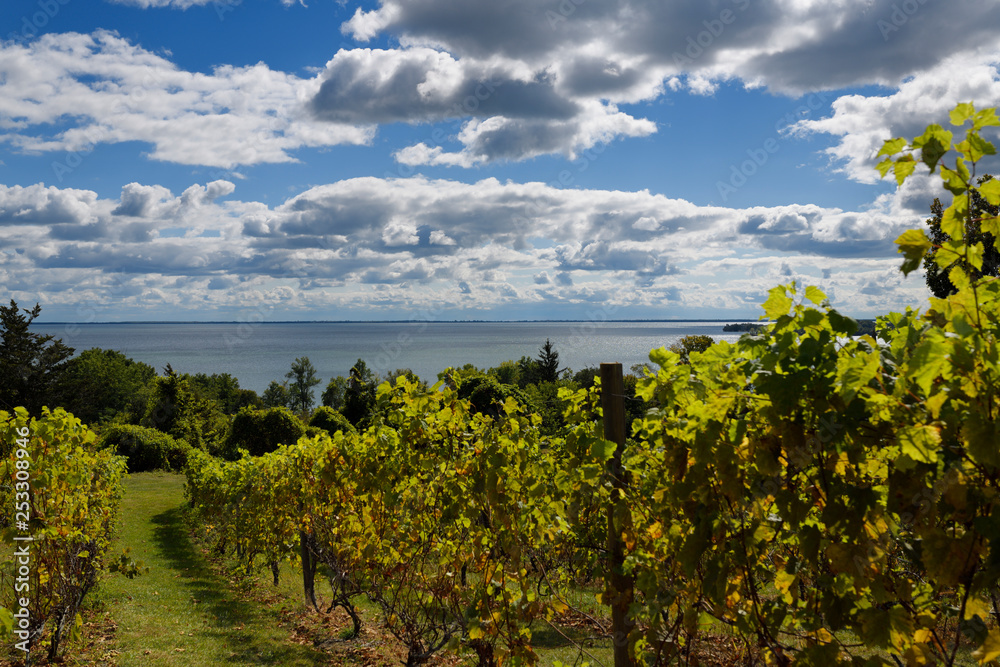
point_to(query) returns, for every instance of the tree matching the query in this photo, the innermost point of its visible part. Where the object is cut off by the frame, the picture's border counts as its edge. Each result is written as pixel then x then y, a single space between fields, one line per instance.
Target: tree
pixel 548 363
pixel 359 397
pixel 303 379
pixel 100 384
pixel 936 276
pixel 261 431
pixel 276 395
pixel 333 395
pixel 30 363
pixel 225 389
pixel 693 343
pixel 175 408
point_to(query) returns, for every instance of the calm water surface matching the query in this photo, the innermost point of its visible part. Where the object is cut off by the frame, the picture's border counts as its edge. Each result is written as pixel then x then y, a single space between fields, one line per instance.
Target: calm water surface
pixel 258 353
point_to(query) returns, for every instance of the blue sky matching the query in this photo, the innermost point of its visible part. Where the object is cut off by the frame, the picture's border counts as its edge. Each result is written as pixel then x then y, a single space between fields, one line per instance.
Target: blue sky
pixel 193 159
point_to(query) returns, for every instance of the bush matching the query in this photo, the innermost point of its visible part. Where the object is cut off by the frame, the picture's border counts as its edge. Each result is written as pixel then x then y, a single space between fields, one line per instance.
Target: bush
pixel 261 431
pixel 330 421
pixel 146 448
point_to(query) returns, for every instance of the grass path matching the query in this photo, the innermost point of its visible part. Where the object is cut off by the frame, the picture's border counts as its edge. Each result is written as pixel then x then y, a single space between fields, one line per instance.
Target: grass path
pixel 181 612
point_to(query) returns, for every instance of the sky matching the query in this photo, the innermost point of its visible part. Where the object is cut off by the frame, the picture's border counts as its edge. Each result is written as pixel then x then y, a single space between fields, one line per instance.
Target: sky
pixel 228 160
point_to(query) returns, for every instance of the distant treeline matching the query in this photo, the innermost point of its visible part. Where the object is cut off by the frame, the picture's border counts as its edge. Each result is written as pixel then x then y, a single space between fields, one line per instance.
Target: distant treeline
pixel 865 327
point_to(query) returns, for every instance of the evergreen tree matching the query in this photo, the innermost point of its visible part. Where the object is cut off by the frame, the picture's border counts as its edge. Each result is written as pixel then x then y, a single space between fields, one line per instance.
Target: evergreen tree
pixel 936 277
pixel 30 364
pixel 548 363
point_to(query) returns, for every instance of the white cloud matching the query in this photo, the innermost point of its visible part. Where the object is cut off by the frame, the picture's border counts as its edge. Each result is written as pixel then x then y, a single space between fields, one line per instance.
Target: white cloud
pixel 371 243
pixel 69 92
pixel 861 123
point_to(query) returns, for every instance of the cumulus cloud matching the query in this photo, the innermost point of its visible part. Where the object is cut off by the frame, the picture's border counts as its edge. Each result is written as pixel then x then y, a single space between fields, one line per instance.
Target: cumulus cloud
pixel 444 243
pixel 70 92
pixel 861 123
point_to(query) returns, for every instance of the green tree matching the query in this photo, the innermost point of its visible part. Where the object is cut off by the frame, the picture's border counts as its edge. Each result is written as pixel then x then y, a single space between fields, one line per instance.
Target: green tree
pixel 548 363
pixel 359 397
pixel 333 395
pixel 30 364
pixel 225 389
pixel 330 420
pixel 937 276
pixel 276 395
pixel 262 431
pixel 99 385
pixel 303 379
pixel 693 343
pixel 175 408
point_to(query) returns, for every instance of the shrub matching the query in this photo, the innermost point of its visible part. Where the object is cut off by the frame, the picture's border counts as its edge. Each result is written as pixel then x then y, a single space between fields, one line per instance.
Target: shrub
pixel 330 421
pixel 146 448
pixel 261 431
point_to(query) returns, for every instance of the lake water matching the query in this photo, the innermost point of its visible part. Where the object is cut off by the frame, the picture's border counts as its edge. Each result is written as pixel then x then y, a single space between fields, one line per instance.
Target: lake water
pixel 257 353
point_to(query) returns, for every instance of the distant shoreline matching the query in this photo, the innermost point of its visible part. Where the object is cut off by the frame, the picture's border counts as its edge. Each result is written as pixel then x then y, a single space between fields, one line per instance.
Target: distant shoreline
pixel 727 321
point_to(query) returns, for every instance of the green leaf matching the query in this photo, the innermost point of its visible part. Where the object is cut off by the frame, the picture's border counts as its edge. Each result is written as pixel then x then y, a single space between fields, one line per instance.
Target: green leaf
pixel 885 166
pixel 6 621
pixel 920 443
pixel 978 147
pixel 933 144
pixel 990 190
pixel 815 295
pixel 961 113
pixel 980 436
pixel 959 278
pixel 778 303
pixel 892 146
pixel 991 225
pixel 975 254
pixel 953 219
pixel 664 358
pixel 903 168
pixel 953 181
pixel 602 450
pixel 929 362
pixel 913 245
pixel 985 118
pixel 949 253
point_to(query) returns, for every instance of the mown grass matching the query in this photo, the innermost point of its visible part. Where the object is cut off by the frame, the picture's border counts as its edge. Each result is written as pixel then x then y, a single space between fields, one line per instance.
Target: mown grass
pixel 182 611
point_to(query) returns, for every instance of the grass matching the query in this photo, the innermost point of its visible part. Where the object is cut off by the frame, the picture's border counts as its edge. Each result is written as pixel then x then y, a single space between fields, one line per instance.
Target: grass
pixel 183 612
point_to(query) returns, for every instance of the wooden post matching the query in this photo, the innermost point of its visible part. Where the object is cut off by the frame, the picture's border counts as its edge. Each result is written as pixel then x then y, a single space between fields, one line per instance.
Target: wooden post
pixel 618 583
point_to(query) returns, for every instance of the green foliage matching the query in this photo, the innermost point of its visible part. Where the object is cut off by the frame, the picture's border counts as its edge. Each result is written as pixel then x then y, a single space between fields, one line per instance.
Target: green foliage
pixel 71 501
pixel 359 396
pixel 276 395
pixel 145 449
pixel 487 396
pixel 330 420
pixel 693 343
pixel 334 396
pixel 936 274
pixel 224 389
pixel 176 409
pixel 261 431
pixel 300 389
pixel 30 364
pixel 101 385
pixel 548 363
